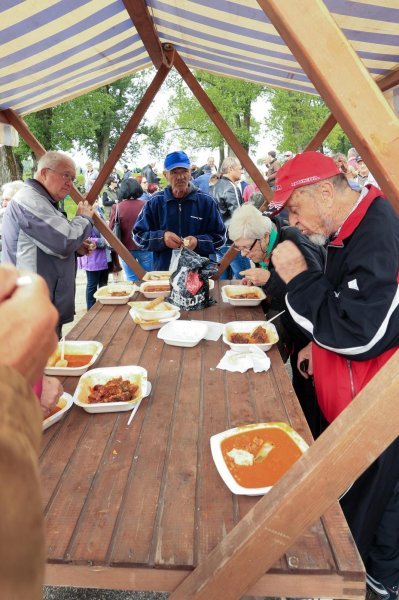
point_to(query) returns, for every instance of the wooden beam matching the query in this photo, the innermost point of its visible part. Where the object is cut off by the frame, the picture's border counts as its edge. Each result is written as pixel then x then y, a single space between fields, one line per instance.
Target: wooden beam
pixel 352 95
pixel 144 25
pixel 388 81
pixel 23 130
pixel 226 260
pixel 127 133
pixel 221 124
pixel 325 471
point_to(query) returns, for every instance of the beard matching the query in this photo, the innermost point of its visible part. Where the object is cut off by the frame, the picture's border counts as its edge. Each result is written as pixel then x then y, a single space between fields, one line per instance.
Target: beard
pixel 318 238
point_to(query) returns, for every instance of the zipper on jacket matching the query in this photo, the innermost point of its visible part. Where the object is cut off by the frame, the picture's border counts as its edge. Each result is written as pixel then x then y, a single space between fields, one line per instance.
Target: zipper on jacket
pixel 352 383
pixel 180 218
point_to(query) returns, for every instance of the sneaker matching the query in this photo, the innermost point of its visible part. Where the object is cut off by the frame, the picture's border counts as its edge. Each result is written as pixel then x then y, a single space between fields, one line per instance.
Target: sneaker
pixel 382 591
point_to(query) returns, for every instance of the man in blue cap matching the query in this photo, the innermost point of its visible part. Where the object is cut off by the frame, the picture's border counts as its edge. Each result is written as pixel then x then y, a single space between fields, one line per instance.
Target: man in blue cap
pixel 180 215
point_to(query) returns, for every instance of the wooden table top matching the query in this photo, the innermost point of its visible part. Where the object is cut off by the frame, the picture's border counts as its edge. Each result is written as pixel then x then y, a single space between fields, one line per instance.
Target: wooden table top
pixel 138 507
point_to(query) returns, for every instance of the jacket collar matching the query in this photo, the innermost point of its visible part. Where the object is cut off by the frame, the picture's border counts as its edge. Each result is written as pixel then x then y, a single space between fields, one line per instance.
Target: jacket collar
pixel 356 216
pixel 191 188
pixel 42 190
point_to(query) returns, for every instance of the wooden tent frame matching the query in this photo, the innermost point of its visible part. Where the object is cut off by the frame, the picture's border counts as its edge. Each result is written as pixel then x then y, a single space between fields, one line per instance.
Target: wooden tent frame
pixel 282 516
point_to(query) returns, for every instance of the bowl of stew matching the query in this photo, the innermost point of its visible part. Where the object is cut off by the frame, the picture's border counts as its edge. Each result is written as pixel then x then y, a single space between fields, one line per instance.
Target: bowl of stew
pixel 80 355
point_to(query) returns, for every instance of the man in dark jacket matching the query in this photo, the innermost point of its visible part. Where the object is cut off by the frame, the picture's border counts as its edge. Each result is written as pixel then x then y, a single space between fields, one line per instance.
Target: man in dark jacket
pixel 179 215
pixel 351 312
pixel 228 196
pixel 149 173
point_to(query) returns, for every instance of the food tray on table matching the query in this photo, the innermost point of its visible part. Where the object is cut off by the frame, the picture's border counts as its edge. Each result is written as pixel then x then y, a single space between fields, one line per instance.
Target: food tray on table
pixel 156 289
pixel 157 275
pixel 181 333
pixel 154 324
pixel 243 295
pixel 251 459
pixel 81 355
pixel 133 374
pixel 117 293
pixel 59 411
pixel 258 333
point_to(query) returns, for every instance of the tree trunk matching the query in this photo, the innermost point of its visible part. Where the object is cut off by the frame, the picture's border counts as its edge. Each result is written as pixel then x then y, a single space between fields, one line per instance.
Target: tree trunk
pixel 9 170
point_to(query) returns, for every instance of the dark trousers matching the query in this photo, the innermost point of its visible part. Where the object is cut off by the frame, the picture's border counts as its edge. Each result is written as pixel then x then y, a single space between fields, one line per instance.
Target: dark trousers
pixel 95 280
pixel 371 507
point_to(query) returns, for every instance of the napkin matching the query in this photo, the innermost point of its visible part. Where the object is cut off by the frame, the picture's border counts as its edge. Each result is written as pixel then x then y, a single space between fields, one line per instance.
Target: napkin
pixel 242 360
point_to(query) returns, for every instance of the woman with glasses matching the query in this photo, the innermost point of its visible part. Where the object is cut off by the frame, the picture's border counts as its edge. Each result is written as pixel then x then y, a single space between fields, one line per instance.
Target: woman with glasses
pixel 256 236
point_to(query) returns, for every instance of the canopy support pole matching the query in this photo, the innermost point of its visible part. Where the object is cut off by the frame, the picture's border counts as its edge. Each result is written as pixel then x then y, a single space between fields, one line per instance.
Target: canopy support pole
pixel 327 468
pixel 351 94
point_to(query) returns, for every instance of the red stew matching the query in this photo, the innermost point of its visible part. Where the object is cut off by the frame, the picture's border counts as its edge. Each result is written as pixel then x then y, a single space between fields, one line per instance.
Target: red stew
pixel 77 360
pixel 268 471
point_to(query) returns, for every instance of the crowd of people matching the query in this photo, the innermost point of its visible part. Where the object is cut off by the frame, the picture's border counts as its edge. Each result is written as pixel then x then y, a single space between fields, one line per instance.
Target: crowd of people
pixel 330 267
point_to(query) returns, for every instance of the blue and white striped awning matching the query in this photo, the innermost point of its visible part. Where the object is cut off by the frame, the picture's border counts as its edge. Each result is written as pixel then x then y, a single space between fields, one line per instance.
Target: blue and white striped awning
pixel 56 50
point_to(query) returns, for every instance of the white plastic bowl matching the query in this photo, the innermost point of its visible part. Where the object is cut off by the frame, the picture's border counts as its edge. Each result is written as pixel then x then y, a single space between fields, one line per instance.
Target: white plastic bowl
pixel 162 311
pixel 246 327
pixel 104 294
pixel 157 275
pixel 132 373
pixel 66 401
pixel 181 333
pixel 229 291
pixel 150 325
pixel 76 347
pixel 147 290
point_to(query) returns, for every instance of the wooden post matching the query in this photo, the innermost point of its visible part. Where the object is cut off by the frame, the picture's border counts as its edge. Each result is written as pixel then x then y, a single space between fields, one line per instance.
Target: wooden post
pixel 348 446
pixel 22 128
pixel 350 92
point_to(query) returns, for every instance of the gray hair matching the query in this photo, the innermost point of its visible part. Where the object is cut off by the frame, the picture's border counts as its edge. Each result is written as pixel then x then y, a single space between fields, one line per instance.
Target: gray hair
pixel 51 159
pixel 247 222
pixel 256 199
pixel 9 189
pixel 229 163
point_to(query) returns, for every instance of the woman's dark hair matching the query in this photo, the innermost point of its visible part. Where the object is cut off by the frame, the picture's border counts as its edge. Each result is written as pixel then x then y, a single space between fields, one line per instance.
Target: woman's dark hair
pixel 272 153
pixel 129 188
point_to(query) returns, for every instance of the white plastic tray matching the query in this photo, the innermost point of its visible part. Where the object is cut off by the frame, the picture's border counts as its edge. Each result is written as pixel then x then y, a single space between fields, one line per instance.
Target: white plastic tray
pixel 157 275
pixel 246 327
pixel 66 401
pixel 103 294
pixel 150 325
pixel 133 373
pixel 229 290
pixel 183 333
pixel 217 455
pixel 78 347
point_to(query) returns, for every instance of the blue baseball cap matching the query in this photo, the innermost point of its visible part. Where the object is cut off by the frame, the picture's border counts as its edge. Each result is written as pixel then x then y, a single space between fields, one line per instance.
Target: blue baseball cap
pixel 177 159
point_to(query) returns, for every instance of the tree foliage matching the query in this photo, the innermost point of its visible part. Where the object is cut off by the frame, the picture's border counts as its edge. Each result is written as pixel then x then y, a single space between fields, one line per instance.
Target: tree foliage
pixel 295 118
pixel 233 99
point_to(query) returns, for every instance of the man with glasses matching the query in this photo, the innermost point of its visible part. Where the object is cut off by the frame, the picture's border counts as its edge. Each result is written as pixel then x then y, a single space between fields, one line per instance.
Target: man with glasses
pixel 228 196
pixel 38 237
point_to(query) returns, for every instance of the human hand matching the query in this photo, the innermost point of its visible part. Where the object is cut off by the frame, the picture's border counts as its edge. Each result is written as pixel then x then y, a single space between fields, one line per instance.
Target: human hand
pixel 85 209
pixel 27 323
pixel 304 362
pixel 87 247
pixel 288 260
pixel 256 276
pixel 172 240
pixel 190 242
pixel 52 391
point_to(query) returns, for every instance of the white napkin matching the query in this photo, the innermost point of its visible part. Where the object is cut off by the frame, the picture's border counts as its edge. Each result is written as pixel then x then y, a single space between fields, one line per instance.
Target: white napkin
pixel 242 360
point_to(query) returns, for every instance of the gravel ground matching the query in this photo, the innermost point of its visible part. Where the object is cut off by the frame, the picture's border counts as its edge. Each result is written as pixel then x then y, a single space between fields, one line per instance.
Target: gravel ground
pixel 66 593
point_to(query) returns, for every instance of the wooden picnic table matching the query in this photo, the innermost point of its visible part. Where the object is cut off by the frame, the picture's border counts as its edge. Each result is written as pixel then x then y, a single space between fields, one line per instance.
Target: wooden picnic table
pixel 138 507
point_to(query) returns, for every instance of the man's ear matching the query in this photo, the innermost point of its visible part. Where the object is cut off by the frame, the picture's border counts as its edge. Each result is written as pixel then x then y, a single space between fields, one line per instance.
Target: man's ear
pixel 328 192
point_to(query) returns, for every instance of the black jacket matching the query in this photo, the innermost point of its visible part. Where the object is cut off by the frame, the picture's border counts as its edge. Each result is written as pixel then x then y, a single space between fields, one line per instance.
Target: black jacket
pixel 228 197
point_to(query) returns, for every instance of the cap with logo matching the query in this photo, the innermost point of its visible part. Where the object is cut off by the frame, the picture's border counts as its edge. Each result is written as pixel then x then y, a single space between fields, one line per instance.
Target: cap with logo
pixel 304 169
pixel 177 159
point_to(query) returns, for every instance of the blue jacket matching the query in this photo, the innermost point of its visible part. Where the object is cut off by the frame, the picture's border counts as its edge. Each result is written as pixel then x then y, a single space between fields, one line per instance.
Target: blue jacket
pixel 196 214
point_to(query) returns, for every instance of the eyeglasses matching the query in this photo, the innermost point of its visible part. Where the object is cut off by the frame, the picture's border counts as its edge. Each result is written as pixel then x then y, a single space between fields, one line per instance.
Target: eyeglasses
pixel 65 176
pixel 245 248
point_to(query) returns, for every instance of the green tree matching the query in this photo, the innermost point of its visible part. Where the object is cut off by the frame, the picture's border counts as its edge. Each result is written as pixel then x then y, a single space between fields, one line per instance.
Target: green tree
pixel 191 124
pixel 295 118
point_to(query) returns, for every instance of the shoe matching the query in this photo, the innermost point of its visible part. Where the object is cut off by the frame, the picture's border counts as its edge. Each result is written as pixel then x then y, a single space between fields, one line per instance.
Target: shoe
pixel 382 591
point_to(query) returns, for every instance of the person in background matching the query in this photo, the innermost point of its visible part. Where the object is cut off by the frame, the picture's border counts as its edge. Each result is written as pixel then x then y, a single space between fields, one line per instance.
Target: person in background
pixel 352 154
pixel 350 311
pixel 349 172
pixel 149 173
pixel 364 177
pixel 152 188
pixel 288 155
pixel 27 339
pixel 96 265
pixel 91 175
pixel 256 199
pixel 202 181
pixel 272 167
pixel 179 215
pixel 144 184
pixel 126 172
pixel 229 199
pixel 129 207
pixel 38 237
pixel 109 197
pixel 8 190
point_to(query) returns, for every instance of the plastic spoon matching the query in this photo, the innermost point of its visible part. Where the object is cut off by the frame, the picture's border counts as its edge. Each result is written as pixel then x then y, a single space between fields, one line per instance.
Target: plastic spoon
pixel 62 362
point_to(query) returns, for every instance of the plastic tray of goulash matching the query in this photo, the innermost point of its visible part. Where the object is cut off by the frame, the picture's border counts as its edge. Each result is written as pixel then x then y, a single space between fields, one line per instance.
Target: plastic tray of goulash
pixel 252 458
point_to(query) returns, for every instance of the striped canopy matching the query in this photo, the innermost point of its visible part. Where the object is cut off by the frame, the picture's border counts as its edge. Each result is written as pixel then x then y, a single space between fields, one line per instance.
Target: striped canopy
pixel 56 50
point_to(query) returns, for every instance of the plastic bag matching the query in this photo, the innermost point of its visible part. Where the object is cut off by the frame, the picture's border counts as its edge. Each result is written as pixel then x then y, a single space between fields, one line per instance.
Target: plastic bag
pixel 190 281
